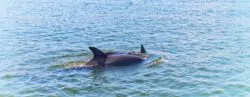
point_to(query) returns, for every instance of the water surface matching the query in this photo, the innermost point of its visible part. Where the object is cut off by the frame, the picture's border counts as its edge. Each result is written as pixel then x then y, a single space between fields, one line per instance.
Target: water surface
pixel 206 44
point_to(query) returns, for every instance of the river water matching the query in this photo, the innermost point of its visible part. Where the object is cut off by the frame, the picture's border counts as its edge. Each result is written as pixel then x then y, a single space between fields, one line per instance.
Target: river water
pixel 205 45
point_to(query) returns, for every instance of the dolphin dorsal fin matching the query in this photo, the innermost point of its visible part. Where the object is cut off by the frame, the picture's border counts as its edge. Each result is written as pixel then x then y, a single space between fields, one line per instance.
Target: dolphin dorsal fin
pixel 98 54
pixel 143 50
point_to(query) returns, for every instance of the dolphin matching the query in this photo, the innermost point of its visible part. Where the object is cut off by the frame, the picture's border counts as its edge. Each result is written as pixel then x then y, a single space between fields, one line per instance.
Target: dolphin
pixel 101 59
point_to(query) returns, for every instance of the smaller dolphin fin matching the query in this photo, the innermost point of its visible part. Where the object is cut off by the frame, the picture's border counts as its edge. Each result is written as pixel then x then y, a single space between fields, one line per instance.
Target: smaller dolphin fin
pixel 143 50
pixel 97 53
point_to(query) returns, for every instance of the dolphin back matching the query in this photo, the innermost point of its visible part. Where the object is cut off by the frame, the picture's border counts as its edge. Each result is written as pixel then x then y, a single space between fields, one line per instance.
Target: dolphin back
pixel 113 58
pixel 123 60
